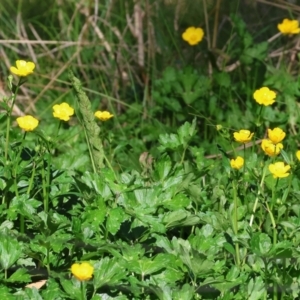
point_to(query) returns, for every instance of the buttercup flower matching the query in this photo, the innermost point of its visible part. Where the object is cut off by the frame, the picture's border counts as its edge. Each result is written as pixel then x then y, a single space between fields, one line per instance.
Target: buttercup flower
pixel 289 27
pixel 27 123
pixel 83 271
pixel 270 148
pixel 276 135
pixel 279 170
pixel 23 68
pixel 237 163
pixel 298 154
pixel 63 111
pixel 264 96
pixel 193 35
pixel 243 136
pixel 103 115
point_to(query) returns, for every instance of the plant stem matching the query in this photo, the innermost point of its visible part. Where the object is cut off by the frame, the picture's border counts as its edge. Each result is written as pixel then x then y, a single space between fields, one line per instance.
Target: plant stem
pixel 48 261
pixel 83 295
pixel 273 224
pixel 31 179
pixel 273 193
pixel 257 197
pixel 22 220
pixel 235 221
pixel 9 112
pixel 46 181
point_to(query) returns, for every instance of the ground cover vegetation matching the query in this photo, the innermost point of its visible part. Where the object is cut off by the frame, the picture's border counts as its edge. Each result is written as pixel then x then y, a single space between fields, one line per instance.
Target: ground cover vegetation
pixel 149 150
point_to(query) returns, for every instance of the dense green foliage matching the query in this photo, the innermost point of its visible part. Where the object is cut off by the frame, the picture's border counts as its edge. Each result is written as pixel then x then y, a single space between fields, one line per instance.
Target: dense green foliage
pixel 149 198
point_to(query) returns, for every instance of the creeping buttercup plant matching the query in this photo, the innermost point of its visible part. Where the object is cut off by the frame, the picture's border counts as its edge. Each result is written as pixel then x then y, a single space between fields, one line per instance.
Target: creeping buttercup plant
pixel 198 199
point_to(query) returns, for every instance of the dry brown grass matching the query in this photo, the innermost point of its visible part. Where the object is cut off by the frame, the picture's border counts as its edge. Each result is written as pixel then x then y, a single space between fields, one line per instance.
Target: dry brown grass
pixel 128 51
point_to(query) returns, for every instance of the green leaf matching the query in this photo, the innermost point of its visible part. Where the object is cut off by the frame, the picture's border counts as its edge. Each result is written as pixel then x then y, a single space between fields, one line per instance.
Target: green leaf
pixel 147 266
pixel 169 74
pixel 229 248
pixel 5 293
pixel 233 273
pixel 25 205
pixel 72 288
pixel 31 294
pixel 223 79
pixel 96 182
pixel 163 167
pixel 223 286
pixel 259 51
pixel 185 293
pixel 173 218
pixel 10 251
pixel 132 252
pixel 256 289
pixel 53 291
pixel 20 275
pixel 2 184
pixel 164 243
pixel 6 225
pixel 261 243
pixel 96 215
pixel 108 272
pixel 168 141
pixel 186 132
pixel 115 219
pixel 177 202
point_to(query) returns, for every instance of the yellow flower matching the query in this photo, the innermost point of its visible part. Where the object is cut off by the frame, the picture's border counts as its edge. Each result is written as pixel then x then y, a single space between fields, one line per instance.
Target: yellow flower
pixel 27 123
pixel 193 35
pixel 270 148
pixel 298 154
pixel 63 111
pixel 83 271
pixel 243 136
pixel 23 68
pixel 276 135
pixel 279 170
pixel 289 27
pixel 103 115
pixel 264 96
pixel 237 163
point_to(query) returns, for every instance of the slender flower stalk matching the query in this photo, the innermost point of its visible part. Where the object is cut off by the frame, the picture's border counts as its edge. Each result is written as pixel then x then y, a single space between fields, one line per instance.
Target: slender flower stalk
pixel 82 272
pixel 8 119
pixel 22 70
pixel 235 222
